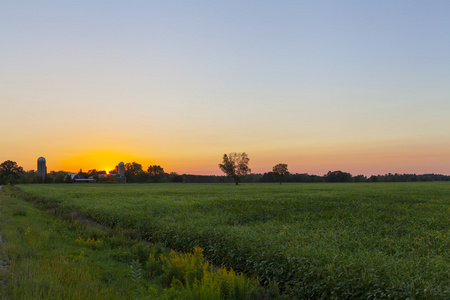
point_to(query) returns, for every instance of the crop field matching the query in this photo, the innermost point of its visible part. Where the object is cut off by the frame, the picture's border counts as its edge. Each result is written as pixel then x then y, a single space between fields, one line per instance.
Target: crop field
pixel 367 240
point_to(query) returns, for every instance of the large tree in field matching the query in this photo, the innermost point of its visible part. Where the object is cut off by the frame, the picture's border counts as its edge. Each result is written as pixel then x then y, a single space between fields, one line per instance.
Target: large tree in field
pixel 9 172
pixel 235 165
pixel 279 171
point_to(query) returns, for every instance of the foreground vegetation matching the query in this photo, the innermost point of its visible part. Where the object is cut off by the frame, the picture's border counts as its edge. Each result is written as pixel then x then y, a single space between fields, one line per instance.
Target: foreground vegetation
pixel 69 257
pixel 377 240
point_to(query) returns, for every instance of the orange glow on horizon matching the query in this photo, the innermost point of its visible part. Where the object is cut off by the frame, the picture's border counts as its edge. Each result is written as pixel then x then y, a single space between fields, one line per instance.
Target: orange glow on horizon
pixel 100 160
pixel 315 159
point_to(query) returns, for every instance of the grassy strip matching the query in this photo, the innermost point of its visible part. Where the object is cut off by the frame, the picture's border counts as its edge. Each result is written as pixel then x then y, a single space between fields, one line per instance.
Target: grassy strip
pixel 69 257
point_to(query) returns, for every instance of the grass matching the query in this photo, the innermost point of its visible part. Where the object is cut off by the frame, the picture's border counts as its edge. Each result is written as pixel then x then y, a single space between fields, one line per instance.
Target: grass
pixel 374 240
pixel 58 254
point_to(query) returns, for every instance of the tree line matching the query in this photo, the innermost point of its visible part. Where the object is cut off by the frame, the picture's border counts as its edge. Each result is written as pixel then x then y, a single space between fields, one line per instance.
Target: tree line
pixel 304 177
pixel 12 173
pixel 235 167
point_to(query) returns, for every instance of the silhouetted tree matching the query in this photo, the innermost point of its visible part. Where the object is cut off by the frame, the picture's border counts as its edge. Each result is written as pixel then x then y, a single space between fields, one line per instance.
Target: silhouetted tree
pixel 28 177
pixel 359 178
pixel 155 173
pixel 50 178
pixel 59 177
pixel 338 176
pixel 10 179
pixel 115 170
pixel 174 177
pixel 68 179
pixel 279 171
pixel 132 170
pixel 83 175
pixel 235 165
pixel 92 172
pixel 374 178
pixel 10 172
pixel 141 177
pixel 267 177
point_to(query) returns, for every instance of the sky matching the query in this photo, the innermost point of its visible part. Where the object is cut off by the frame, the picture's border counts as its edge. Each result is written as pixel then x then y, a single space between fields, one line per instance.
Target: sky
pixel 357 86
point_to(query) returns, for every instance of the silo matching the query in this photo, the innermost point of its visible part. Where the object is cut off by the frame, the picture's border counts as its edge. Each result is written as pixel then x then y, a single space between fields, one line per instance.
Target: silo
pixel 121 169
pixel 41 169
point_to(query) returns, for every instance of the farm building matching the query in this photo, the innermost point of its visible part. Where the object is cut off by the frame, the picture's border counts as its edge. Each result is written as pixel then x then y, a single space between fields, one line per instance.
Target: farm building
pixel 77 178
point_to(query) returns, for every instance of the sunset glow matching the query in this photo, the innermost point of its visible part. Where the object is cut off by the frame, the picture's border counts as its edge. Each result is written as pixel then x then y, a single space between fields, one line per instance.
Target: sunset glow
pixel 360 87
pixel 100 160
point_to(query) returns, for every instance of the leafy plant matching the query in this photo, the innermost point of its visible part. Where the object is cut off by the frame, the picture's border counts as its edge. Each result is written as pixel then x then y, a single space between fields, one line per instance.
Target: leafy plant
pixel 136 271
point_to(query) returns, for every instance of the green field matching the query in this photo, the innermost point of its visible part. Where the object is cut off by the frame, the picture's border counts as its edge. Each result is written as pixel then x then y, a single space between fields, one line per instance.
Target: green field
pixel 374 240
pixel 59 254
